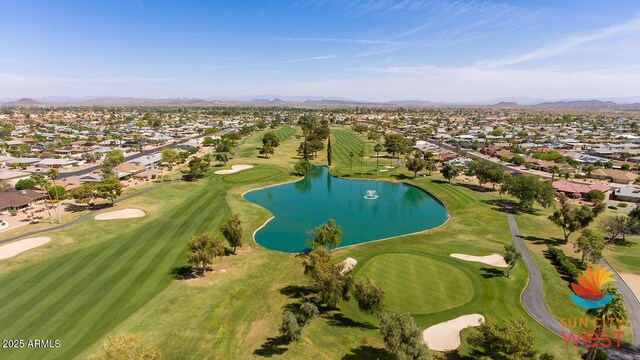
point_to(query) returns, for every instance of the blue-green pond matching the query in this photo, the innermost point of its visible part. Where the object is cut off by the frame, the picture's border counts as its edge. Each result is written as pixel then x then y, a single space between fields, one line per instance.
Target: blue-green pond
pixel 366 210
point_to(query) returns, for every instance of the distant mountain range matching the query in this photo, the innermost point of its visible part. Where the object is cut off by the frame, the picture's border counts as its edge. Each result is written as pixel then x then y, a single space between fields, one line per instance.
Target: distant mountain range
pixel 275 100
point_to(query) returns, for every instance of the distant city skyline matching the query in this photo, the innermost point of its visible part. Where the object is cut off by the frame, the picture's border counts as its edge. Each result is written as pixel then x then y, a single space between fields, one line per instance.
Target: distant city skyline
pixel 452 51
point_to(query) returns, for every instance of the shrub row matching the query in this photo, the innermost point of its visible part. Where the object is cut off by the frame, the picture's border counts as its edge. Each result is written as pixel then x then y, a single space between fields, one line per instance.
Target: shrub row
pixel 568 267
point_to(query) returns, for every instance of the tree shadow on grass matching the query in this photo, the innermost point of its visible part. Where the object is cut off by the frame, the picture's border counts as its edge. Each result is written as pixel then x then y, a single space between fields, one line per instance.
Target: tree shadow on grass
pixel 338 319
pixel 489 273
pixel 402 177
pixel 273 346
pixel 542 241
pixel 366 352
pixel 184 273
pixel 297 291
pixel 76 208
pixel 473 187
pixel 511 207
pixel 455 355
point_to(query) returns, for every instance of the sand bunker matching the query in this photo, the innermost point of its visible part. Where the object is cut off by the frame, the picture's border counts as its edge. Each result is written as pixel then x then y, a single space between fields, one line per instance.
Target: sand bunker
pixel 493 259
pixel 234 169
pixel 16 247
pixel 348 264
pixel 121 214
pixel 446 336
pixel 633 281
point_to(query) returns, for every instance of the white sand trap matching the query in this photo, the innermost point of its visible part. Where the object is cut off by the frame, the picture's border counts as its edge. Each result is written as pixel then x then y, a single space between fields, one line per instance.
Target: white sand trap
pixel 121 214
pixel 16 247
pixel 446 336
pixel 493 259
pixel 348 264
pixel 633 281
pixel 234 169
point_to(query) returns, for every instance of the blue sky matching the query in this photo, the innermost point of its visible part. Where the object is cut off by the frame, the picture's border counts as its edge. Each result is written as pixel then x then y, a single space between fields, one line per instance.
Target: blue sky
pixel 367 50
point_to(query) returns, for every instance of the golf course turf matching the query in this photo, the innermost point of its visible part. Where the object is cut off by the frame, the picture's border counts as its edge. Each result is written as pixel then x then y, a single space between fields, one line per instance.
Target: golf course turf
pixel 96 279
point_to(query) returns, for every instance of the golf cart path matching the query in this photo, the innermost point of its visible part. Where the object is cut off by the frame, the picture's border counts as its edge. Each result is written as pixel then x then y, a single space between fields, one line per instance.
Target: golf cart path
pixel 532 298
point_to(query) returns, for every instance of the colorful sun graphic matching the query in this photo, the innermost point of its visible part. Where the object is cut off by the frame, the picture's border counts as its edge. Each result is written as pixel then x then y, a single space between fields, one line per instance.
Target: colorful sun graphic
pixel 588 293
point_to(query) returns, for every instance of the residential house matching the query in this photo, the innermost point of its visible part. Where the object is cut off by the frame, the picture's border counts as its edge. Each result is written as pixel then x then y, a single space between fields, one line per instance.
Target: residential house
pixel 613 175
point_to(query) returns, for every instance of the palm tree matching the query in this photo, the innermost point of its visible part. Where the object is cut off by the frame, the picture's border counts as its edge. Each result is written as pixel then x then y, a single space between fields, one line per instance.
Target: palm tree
pixel 53 175
pixel 588 169
pixel 612 313
pixel 43 184
pixel 377 149
pixel 361 158
pixel 350 162
pixel 554 170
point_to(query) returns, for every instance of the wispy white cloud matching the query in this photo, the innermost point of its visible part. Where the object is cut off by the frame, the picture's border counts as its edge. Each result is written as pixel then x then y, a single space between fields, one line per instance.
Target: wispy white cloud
pixel 287 61
pixel 14 78
pixel 569 44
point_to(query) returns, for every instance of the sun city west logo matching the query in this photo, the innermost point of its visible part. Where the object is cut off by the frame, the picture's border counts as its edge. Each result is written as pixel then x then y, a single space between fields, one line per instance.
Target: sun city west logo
pixel 588 294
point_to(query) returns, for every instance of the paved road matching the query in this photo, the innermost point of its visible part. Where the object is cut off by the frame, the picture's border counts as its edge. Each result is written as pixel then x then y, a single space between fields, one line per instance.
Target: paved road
pixel 532 298
pixel 79 219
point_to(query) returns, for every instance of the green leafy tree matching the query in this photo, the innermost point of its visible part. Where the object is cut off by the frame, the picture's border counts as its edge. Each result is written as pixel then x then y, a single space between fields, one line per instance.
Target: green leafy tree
pixel 203 249
pixel 394 144
pixel 24 184
pixel 449 171
pixel 198 167
pixel 361 156
pixel 415 164
pixel 223 157
pixel 596 196
pixel 528 189
pixel 302 167
pixel 573 218
pixel 232 231
pixel 615 226
pixel 270 139
pixel 517 160
pixel 326 235
pixel 431 166
pixel 289 328
pixel 328 279
pixel 511 257
pixel 401 336
pixel 612 313
pixel 590 244
pixel 329 152
pixel 307 312
pixel 370 296
pixel 266 150
pixel 84 194
pixel 109 188
pixel 113 158
pixel 208 141
pixel 169 157
pixel 511 340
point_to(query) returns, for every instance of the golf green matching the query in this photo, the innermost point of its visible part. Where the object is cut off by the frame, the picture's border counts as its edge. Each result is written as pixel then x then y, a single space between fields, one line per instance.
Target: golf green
pixel 418 284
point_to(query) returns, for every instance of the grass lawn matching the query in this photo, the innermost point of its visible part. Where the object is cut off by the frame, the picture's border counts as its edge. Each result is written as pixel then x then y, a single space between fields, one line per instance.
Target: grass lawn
pixel 97 278
pixel 625 257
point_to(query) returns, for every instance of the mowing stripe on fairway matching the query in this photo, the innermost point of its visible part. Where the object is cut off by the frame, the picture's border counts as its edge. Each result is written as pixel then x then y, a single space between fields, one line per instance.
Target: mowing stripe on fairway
pixel 108 268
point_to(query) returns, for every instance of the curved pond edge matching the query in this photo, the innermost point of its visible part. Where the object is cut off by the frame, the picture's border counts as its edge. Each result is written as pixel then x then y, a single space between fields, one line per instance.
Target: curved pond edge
pixel 253 235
